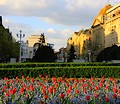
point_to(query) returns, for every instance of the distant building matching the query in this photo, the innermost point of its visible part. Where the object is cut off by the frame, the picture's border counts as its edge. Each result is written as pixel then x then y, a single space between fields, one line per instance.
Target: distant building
pixel 81 42
pixel 35 39
pixel 33 42
pixel 62 55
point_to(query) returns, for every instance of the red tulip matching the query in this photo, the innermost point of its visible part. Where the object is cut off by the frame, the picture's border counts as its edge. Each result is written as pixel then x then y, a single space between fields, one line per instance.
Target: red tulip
pixel 77 91
pixel 5 78
pixel 92 83
pixel 95 95
pixel 114 96
pixel 106 87
pixel 75 85
pixel 45 96
pixel 43 87
pixel 31 88
pixel 90 87
pixel 50 90
pixel 101 84
pixel 67 84
pixel 83 80
pixel 119 92
pixel 106 98
pixel 26 88
pixel 87 97
pixel 54 89
pixel 96 88
pixel 114 90
pixel 27 95
pixel 27 78
pixel 70 87
pixel 73 79
pixel 58 80
pixel 43 91
pixel 4 87
pixel 84 90
pixel 6 94
pixel 21 90
pixel 82 86
pixel 47 76
pixel 7 83
pixel 62 95
pixel 11 87
pixel 32 79
pixel 63 81
pixel 11 81
pixel 56 85
pixel 22 76
pixel 68 91
pixel 12 91
pixel 16 77
pixel 76 81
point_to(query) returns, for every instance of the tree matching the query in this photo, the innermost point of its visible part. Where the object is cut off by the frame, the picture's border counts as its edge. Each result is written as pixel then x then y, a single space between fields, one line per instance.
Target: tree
pixel 44 54
pixel 8 47
pixel 71 54
pixel 109 53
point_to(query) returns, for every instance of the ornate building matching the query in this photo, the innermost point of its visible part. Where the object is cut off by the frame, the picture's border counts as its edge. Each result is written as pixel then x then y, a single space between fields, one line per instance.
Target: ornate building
pixel 104 32
pixel 106 28
pixel 81 42
pixel 112 26
pixel 98 28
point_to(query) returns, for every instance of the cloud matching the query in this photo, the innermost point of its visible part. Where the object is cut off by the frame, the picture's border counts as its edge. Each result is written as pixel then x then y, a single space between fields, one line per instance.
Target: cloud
pixel 63 12
pixel 51 31
pixel 53 36
pixel 15 27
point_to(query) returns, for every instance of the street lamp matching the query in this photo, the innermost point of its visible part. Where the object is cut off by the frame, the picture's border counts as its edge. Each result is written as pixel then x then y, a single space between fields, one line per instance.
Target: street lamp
pixel 20 36
pixel 89 55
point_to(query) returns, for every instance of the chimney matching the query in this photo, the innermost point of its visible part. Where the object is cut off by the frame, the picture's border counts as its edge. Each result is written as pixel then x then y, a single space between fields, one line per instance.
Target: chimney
pixel 0 20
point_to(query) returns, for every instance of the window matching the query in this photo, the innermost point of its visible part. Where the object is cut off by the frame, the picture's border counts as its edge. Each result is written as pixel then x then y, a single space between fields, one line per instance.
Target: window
pixel 113 15
pixel 114 27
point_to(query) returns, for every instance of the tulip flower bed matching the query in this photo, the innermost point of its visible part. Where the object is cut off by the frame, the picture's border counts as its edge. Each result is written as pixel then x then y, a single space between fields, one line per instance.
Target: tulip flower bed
pixel 44 90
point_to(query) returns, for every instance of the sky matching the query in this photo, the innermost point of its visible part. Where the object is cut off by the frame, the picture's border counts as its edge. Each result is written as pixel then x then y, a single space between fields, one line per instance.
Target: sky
pixel 57 19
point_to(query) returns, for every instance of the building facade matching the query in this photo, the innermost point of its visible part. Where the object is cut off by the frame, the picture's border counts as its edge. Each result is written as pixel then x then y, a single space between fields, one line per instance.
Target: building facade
pixel 106 28
pixel 81 42
pixel 112 26
pixel 104 32
pixel 31 43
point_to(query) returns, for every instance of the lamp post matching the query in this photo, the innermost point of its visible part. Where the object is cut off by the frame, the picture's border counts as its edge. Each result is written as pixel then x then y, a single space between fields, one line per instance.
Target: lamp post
pixel 20 36
pixel 89 55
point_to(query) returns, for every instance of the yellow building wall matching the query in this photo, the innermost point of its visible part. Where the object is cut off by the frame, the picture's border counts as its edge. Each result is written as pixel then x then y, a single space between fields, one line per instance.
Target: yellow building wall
pixel 105 32
pixel 78 40
pixel 112 26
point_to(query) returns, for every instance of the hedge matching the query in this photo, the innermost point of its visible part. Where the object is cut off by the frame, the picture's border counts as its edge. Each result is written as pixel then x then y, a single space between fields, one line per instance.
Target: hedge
pixel 70 64
pixel 71 72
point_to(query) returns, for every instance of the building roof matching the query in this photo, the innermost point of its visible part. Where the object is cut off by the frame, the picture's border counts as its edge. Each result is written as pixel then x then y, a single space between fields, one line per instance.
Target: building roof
pixel 114 7
pixel 104 9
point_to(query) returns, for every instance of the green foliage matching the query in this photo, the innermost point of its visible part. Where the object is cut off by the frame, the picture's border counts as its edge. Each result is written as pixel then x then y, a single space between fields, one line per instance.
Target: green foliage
pixel 72 70
pixel 8 47
pixel 109 53
pixel 71 54
pixel 44 54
